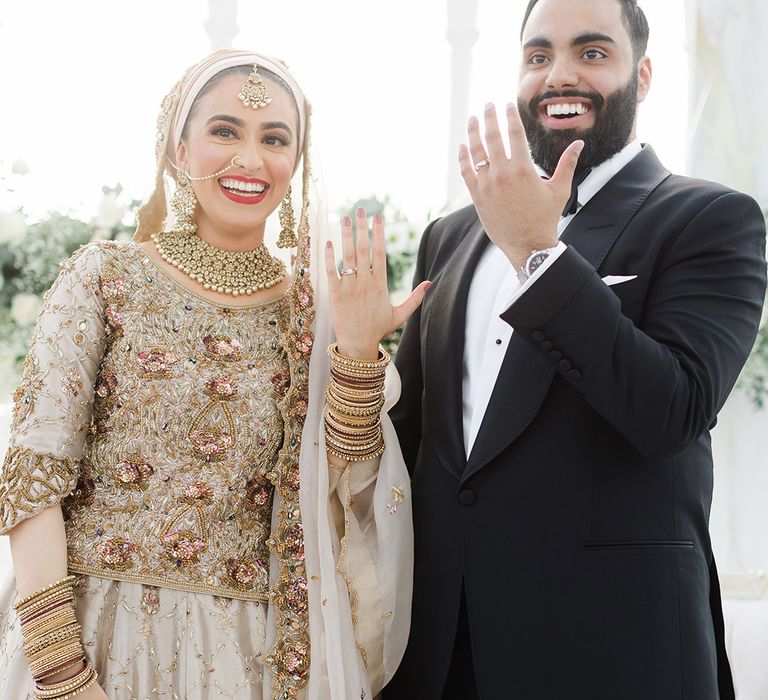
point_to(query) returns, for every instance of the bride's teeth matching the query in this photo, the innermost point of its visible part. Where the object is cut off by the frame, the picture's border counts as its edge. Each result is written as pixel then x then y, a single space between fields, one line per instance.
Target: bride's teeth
pixel 243 187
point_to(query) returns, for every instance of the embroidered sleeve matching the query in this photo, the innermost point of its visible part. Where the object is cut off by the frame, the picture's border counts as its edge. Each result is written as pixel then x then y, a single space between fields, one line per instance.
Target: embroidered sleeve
pixel 53 404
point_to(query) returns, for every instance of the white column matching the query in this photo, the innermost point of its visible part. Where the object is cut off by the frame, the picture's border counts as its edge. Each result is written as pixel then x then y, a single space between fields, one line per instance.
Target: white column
pixel 222 23
pixel 462 35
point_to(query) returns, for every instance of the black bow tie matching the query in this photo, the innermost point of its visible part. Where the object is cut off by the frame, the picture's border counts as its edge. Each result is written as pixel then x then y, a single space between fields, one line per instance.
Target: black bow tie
pixel 572 205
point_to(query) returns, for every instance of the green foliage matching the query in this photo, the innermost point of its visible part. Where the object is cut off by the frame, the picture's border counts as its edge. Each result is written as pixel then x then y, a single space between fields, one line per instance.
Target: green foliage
pixel 30 255
pixel 754 379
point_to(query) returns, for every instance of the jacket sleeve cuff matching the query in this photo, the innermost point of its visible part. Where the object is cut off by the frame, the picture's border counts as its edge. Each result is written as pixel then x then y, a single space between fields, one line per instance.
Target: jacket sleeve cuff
pixel 551 292
pixel 31 482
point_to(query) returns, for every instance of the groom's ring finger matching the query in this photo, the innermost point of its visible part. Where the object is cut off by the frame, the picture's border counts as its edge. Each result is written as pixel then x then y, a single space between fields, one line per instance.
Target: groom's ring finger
pixel 484 163
pixel 476 147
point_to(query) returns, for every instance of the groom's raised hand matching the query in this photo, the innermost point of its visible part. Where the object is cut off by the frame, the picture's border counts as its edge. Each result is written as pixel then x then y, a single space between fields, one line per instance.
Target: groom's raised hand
pixel 518 209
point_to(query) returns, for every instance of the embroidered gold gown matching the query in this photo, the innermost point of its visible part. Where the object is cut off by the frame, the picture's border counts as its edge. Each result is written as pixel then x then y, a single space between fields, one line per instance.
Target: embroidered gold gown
pixel 152 415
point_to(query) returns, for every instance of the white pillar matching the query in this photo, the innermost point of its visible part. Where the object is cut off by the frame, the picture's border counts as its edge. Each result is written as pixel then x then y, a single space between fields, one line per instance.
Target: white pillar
pixel 462 35
pixel 222 23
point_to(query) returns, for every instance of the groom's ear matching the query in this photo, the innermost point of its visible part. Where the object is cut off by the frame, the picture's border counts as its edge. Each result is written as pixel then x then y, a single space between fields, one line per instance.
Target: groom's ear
pixel 644 76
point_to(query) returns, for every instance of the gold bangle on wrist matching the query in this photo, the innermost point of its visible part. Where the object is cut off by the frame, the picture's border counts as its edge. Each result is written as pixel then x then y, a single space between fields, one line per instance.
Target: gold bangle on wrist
pixel 65 582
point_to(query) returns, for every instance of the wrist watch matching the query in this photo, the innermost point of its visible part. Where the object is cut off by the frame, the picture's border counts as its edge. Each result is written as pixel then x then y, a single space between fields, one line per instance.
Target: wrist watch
pixel 533 263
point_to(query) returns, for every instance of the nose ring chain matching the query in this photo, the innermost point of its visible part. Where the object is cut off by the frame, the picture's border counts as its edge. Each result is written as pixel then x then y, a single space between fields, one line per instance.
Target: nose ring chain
pixel 233 164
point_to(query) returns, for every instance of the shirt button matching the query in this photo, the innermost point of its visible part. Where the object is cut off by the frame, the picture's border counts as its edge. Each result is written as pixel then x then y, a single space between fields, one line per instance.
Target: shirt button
pixel 498 341
pixel 467 497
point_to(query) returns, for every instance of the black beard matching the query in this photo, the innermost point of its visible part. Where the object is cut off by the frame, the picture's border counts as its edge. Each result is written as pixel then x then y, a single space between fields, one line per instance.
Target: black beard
pixel 614 119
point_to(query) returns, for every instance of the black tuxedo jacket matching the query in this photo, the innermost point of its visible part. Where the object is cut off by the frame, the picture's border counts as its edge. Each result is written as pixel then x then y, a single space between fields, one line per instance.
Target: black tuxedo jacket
pixel 579 524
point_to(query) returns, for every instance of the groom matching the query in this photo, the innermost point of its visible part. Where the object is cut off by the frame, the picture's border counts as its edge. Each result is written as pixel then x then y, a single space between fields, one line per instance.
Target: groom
pixel 559 385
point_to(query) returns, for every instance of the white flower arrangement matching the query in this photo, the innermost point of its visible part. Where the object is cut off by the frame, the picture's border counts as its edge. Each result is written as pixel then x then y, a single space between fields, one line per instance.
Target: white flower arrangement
pixel 25 308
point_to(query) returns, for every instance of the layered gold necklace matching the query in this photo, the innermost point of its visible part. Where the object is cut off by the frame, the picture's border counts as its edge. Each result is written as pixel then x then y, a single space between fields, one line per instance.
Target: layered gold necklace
pixel 232 272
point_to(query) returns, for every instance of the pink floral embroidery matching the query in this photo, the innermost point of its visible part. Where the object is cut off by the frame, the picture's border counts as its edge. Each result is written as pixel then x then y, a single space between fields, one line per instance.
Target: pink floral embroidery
pixel 157 362
pixel 199 491
pixel 222 387
pixel 244 574
pixel 211 443
pixel 258 492
pixel 134 472
pixel 304 343
pixel 116 553
pixel 223 347
pixel 113 289
pixel 183 546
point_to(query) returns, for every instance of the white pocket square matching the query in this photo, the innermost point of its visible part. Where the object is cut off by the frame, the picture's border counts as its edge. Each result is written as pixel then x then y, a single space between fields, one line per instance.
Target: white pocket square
pixel 610 280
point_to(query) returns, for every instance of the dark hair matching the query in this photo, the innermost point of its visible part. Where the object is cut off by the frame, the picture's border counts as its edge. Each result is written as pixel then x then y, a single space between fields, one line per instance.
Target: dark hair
pixel 634 20
pixel 236 70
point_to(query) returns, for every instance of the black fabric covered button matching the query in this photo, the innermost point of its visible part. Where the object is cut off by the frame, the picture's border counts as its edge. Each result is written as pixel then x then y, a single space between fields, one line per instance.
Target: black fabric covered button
pixel 546 345
pixel 555 355
pixel 498 341
pixel 574 374
pixel 564 365
pixel 537 336
pixel 467 497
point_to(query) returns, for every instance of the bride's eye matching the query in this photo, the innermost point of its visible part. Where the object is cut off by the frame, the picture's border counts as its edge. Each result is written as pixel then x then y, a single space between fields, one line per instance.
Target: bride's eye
pixel 276 140
pixel 223 131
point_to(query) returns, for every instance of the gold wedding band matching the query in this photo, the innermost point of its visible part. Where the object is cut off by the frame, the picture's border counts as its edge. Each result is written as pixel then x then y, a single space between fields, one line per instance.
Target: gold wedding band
pixel 349 271
pixel 484 163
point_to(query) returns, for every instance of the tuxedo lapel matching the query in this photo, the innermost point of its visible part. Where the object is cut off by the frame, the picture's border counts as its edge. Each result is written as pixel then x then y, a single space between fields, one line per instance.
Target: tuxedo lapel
pixel 445 350
pixel 525 375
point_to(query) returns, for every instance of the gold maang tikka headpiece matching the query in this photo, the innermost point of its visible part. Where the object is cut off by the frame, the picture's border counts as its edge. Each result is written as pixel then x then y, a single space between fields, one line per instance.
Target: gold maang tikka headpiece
pixel 254 93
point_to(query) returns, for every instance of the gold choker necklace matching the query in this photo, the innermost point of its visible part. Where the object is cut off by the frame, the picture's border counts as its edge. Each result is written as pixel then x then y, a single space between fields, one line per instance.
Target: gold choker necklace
pixel 232 272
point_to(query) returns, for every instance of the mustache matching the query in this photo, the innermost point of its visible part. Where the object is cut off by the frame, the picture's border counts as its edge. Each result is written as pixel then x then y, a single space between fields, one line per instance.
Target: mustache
pixel 596 99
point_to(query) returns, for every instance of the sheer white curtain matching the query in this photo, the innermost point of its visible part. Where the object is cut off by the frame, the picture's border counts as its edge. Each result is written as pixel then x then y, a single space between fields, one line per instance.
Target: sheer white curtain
pixel 729 143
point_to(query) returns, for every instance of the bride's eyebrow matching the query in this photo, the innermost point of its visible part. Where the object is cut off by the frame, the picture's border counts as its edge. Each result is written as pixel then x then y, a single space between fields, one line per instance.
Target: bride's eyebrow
pixel 226 118
pixel 277 125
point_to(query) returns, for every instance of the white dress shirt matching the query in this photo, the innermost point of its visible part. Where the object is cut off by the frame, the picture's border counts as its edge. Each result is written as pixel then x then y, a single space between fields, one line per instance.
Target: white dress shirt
pixel 494 288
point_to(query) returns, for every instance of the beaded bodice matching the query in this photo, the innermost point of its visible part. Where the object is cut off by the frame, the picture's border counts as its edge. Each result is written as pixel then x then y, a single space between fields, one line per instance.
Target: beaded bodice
pixel 172 485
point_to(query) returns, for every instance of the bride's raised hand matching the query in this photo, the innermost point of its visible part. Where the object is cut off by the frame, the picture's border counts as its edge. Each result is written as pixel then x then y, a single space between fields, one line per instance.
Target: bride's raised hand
pixel 361 311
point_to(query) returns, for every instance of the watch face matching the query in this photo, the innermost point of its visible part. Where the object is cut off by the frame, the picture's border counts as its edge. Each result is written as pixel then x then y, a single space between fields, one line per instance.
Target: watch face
pixel 534 262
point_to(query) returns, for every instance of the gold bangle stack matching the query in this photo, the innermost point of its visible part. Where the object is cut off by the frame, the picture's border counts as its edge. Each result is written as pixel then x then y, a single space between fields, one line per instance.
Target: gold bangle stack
pixel 354 399
pixel 52 640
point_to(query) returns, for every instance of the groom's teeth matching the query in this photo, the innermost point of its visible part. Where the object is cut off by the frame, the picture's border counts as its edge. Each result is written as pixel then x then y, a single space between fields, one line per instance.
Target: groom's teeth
pixel 566 109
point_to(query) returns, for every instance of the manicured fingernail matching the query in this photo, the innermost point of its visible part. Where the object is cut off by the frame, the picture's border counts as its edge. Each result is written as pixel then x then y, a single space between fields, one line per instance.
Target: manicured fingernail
pixel 429 284
pixel 328 245
pixel 488 106
pixel 377 218
pixel 361 213
pixel 346 221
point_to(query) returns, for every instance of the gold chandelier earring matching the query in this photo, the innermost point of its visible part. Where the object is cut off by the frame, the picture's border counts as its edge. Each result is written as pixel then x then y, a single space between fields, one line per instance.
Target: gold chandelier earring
pixel 183 204
pixel 287 238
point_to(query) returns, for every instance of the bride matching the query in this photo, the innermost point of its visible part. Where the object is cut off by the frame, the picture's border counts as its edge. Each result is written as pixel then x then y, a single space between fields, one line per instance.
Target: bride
pixel 204 495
